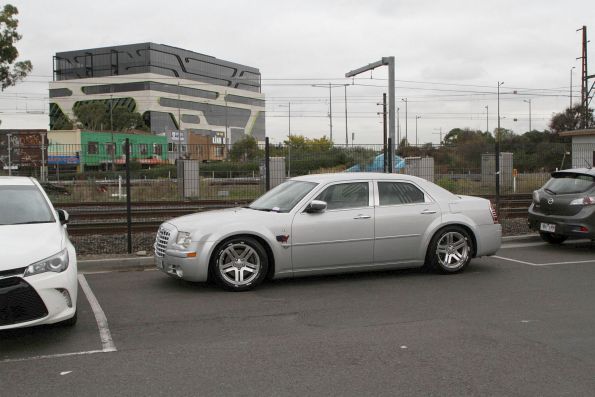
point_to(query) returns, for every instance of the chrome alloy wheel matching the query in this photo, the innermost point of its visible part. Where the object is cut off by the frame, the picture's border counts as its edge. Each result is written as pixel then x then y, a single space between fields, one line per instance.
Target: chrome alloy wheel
pixel 239 264
pixel 452 250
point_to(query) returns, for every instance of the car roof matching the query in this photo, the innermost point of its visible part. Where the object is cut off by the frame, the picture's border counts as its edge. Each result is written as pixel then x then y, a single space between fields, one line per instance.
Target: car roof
pixel 346 176
pixel 16 180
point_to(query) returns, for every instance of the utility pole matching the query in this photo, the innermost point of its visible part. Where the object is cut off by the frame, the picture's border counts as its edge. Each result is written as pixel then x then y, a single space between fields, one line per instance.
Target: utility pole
pixel 529 102
pixel 487 120
pixel 398 129
pixel 390 62
pixel 330 107
pixel 585 90
pixel 439 129
pixel 497 159
pixel 406 136
pixel 416 118
pixel 180 125
pixel 571 69
pixel 384 136
pixel 330 98
pixel 346 133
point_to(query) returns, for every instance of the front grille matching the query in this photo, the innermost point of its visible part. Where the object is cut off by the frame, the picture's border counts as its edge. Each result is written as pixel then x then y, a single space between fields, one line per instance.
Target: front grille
pixel 161 242
pixel 13 272
pixel 19 302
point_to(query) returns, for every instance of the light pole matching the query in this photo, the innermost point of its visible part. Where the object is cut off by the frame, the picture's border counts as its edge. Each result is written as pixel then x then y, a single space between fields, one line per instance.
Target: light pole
pixel 416 118
pixel 571 69
pixel 289 136
pixel 487 120
pixel 346 134
pixel 529 102
pixel 406 136
pixel 497 159
pixel 398 128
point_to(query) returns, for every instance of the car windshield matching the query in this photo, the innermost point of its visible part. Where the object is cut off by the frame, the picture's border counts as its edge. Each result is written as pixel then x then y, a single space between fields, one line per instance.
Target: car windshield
pixel 23 205
pixel 568 183
pixel 283 197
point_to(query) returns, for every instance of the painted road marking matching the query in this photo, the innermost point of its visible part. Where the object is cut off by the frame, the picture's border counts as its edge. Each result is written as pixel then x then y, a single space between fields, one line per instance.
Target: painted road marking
pixel 544 264
pixel 104 333
pixel 14 360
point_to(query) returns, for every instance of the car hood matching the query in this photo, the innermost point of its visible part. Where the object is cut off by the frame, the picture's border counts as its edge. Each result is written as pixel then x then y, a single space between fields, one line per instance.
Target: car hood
pixel 212 220
pixel 22 245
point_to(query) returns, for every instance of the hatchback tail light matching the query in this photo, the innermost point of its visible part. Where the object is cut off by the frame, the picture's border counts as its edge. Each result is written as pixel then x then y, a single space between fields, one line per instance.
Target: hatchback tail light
pixel 493 212
pixel 589 200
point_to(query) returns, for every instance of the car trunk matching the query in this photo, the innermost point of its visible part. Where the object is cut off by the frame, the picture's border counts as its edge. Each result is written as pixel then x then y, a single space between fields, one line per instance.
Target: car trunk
pixel 558 204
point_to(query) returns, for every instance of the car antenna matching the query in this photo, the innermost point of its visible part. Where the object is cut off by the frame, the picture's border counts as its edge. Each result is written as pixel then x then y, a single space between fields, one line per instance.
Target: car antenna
pixel 589 164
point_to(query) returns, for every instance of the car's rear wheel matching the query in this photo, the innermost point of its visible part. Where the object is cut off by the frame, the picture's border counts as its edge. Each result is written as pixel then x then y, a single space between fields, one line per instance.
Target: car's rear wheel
pixel 450 250
pixel 553 238
pixel 240 264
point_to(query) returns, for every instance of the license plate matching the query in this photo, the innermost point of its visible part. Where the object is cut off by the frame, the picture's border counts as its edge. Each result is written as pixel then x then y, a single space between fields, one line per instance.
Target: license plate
pixel 547 227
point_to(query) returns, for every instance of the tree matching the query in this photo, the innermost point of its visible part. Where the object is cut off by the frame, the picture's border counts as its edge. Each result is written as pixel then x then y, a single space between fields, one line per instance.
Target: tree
pixel 245 149
pixel 570 119
pixel 10 71
pixel 92 115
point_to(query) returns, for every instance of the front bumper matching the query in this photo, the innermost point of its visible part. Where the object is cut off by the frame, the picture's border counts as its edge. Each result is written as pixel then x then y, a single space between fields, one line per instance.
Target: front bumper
pixel 178 264
pixel 566 225
pixel 44 298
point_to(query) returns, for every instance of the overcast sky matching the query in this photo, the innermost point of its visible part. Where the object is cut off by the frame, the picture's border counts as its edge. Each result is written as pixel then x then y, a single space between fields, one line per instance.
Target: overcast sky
pixel 449 56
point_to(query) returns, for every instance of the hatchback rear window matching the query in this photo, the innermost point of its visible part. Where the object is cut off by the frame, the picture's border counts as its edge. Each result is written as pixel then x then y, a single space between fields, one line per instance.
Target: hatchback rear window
pixel 568 183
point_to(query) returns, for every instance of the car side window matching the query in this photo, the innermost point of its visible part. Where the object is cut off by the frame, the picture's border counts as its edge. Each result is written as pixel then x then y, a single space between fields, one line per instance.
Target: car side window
pixel 392 193
pixel 345 195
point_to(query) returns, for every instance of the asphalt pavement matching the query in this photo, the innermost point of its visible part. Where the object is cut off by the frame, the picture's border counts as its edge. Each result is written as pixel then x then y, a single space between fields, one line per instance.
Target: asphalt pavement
pixel 516 324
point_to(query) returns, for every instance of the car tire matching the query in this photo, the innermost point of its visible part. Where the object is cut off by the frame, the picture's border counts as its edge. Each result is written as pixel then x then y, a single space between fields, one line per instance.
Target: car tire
pixel 553 238
pixel 71 321
pixel 450 250
pixel 240 264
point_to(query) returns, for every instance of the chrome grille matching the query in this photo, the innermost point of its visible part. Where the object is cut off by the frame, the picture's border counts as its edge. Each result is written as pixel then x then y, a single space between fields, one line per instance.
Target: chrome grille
pixel 161 242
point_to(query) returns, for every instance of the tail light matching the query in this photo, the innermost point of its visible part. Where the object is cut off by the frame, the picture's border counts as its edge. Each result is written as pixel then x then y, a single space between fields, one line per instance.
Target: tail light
pixel 584 201
pixel 493 212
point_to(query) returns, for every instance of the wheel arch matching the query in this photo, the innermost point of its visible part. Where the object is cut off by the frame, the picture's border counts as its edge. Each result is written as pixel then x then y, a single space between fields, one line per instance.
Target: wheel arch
pixel 463 226
pixel 265 244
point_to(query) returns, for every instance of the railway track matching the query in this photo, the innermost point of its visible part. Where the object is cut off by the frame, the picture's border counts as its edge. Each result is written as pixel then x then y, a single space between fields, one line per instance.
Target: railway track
pixel 110 218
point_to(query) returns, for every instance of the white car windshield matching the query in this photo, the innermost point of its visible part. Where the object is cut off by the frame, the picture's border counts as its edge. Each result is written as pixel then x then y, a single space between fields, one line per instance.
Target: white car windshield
pixel 23 205
pixel 283 197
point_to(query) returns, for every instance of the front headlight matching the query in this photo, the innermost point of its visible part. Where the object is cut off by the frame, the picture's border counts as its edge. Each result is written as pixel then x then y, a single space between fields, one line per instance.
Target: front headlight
pixel 183 239
pixel 56 263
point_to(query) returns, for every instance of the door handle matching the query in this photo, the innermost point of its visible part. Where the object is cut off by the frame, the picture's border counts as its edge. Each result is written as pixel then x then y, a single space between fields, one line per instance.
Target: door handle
pixel 427 212
pixel 362 217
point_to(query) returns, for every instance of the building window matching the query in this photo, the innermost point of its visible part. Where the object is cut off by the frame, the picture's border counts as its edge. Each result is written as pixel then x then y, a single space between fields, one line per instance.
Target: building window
pixel 92 148
pixel 157 149
pixel 144 149
pixel 219 151
pixel 170 147
pixel 110 148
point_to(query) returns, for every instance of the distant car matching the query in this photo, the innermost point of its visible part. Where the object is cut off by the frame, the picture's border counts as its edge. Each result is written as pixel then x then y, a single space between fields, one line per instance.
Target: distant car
pixel 38 268
pixel 565 206
pixel 330 223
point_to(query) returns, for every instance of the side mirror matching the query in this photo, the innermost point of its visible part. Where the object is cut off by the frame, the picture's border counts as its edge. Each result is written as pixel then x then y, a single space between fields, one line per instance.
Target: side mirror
pixel 316 206
pixel 63 216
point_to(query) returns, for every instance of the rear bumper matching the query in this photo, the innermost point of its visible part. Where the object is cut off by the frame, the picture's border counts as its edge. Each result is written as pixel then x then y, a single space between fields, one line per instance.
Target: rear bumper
pixel 489 239
pixel 566 225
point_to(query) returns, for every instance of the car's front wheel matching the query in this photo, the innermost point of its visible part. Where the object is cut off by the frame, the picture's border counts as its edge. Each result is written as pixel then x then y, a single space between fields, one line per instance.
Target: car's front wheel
pixel 553 238
pixel 240 264
pixel 450 250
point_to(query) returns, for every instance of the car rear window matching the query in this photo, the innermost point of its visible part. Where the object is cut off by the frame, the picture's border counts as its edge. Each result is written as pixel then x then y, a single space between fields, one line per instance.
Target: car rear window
pixel 568 183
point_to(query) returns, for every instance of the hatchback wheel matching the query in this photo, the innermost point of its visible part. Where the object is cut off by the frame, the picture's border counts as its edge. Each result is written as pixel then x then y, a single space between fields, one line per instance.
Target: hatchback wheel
pixel 450 250
pixel 553 238
pixel 240 264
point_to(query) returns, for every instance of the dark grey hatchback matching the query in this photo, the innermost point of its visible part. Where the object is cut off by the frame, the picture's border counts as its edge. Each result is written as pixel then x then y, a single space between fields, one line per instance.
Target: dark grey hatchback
pixel 565 206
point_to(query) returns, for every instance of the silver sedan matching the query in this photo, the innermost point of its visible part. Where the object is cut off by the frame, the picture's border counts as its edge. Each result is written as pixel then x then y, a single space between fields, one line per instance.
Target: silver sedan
pixel 330 223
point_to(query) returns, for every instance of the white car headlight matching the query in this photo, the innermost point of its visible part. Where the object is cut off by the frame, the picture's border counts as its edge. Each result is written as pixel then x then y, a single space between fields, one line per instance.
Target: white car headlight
pixel 183 239
pixel 55 263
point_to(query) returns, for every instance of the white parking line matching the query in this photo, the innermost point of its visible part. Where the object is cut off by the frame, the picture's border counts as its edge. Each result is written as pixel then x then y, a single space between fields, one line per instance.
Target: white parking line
pixel 15 360
pixel 544 264
pixel 104 333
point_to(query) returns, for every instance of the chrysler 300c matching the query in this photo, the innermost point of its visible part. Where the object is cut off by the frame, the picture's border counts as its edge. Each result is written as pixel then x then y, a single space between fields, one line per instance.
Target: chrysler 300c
pixel 330 223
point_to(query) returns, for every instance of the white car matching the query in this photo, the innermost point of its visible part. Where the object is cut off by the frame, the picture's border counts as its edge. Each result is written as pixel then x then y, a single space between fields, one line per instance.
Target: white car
pixel 330 223
pixel 38 269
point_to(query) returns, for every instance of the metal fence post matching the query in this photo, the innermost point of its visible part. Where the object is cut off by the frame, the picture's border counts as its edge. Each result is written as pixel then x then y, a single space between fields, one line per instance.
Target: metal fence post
pixel 267 163
pixel 391 155
pixel 128 206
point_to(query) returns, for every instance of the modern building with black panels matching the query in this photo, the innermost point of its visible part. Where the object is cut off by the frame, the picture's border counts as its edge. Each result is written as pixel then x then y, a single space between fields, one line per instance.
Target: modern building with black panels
pixel 174 89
